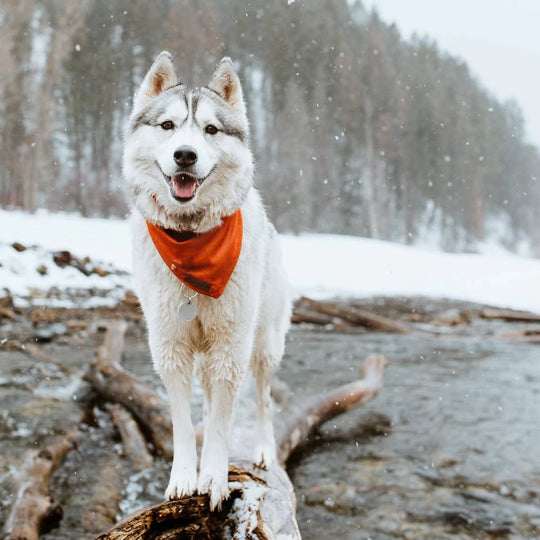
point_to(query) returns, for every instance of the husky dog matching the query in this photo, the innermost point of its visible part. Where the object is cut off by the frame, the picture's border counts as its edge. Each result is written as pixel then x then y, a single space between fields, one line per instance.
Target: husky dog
pixel 188 168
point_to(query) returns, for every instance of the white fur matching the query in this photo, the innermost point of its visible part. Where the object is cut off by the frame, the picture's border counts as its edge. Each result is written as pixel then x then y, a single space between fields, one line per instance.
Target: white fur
pixel 245 327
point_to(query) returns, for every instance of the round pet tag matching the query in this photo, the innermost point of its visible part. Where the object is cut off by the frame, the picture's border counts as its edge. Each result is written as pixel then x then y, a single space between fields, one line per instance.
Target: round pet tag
pixel 188 311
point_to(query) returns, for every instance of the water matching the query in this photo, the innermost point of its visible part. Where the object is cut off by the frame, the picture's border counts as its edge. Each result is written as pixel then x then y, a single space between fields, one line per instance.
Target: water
pixel 449 449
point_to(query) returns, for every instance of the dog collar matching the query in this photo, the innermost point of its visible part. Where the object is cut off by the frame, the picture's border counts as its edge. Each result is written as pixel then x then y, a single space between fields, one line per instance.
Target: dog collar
pixel 204 262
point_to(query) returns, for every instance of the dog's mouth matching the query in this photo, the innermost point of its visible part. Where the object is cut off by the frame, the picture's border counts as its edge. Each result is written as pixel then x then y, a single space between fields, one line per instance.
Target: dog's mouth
pixel 183 186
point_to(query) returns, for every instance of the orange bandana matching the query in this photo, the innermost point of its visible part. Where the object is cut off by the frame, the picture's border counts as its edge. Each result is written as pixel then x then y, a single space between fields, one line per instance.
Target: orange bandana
pixel 204 262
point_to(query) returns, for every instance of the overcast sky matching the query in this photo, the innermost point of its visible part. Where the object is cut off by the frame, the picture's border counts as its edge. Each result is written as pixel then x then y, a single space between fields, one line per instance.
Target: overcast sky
pixel 499 39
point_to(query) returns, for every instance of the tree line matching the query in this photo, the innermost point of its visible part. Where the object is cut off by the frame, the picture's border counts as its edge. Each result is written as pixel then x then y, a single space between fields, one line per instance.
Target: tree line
pixel 355 129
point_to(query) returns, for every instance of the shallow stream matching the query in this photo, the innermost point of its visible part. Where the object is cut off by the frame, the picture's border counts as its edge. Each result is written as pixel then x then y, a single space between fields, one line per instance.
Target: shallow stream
pixel 449 449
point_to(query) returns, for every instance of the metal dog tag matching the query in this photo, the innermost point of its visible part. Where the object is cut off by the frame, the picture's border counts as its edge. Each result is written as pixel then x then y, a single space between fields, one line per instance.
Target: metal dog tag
pixel 188 311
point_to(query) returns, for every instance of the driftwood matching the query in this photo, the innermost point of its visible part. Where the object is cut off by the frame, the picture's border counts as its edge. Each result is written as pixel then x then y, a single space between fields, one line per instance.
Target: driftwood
pixel 525 336
pixel 118 386
pixel 510 315
pixel 304 315
pixel 33 507
pixel 102 507
pixel 7 313
pixel 353 315
pixel 262 502
pixel 132 438
pixel 299 419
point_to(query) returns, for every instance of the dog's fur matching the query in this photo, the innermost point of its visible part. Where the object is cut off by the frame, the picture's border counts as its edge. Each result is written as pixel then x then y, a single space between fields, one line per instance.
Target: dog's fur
pixel 246 325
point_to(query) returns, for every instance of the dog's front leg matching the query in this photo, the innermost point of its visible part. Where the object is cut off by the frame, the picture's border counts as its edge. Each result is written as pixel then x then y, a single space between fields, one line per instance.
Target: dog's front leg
pixel 183 479
pixel 213 476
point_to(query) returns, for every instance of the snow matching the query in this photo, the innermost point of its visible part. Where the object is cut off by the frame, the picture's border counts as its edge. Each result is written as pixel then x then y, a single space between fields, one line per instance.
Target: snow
pixel 19 274
pixel 324 266
pixel 320 266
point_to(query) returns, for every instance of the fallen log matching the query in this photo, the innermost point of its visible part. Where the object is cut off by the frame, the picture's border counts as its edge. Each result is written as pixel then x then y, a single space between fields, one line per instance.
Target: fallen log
pixel 529 335
pixel 132 438
pixel 299 419
pixel 355 316
pixel 302 315
pixel 34 507
pixel 102 507
pixel 7 314
pixel 510 315
pixel 262 503
pixel 118 386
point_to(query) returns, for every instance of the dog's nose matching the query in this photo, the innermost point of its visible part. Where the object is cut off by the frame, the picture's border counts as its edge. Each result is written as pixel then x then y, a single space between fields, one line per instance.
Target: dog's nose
pixel 185 156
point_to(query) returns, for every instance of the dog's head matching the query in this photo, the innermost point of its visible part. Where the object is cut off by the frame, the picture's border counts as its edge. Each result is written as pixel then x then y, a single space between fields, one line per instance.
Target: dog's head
pixel 187 159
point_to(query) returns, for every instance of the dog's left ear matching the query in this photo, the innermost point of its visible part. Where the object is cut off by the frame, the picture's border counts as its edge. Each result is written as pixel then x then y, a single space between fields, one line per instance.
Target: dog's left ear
pixel 160 77
pixel 226 83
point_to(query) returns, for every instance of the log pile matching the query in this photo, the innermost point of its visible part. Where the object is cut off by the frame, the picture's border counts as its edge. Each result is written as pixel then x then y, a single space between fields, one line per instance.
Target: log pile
pixel 341 314
pixel 262 502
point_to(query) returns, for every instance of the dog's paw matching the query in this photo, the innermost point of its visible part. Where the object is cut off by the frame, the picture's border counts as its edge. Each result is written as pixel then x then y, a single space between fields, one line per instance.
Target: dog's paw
pixel 216 486
pixel 265 456
pixel 180 486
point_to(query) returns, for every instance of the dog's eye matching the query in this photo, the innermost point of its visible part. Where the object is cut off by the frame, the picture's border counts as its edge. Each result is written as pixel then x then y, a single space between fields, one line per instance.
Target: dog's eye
pixel 210 129
pixel 167 125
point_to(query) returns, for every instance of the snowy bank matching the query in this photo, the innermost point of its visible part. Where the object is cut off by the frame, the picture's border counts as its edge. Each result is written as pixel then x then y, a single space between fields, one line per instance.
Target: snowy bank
pixel 318 265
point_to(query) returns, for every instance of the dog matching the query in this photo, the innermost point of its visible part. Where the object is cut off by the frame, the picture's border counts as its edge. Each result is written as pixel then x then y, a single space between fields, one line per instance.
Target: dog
pixel 189 172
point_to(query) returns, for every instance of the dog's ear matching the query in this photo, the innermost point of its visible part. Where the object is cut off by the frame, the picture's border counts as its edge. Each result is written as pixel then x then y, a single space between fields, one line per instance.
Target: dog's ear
pixel 226 83
pixel 159 77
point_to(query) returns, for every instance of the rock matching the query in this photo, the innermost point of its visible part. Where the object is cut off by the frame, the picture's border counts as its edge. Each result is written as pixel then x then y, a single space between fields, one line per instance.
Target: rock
pixel 49 332
pixel 62 258
pixel 337 497
pixel 100 271
pixel 42 269
pixel 130 299
pixel 6 301
pixel 18 247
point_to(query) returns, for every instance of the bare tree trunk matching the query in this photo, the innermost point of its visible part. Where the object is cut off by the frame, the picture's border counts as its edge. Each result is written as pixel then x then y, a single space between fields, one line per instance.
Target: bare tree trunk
pixel 371 176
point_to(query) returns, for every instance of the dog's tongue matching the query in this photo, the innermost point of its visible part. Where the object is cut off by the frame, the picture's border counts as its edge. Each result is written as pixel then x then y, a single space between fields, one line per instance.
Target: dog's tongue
pixel 184 186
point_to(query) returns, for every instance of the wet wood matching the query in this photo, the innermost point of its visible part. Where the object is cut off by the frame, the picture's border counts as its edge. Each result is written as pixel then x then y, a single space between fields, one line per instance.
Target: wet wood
pixel 509 315
pixel 133 440
pixel 34 507
pixel 7 313
pixel 304 315
pixel 104 503
pixel 529 335
pixel 187 518
pixel 299 419
pixel 262 503
pixel 354 316
pixel 118 386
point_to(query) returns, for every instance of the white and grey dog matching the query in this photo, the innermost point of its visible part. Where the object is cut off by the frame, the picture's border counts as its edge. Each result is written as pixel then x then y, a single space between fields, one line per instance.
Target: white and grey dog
pixel 188 167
